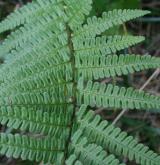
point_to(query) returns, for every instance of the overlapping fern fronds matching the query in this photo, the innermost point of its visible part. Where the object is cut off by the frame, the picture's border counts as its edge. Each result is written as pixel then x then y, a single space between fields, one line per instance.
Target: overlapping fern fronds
pixel 92 154
pixel 51 59
pixel 116 141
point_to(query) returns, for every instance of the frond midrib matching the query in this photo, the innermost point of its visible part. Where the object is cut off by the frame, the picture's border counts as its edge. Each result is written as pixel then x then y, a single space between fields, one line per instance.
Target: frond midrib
pixel 72 53
pixel 134 63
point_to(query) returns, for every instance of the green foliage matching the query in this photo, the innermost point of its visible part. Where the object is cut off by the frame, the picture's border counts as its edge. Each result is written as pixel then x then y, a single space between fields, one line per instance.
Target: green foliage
pixel 97 25
pixel 51 59
pixel 105 45
pixel 97 66
pixel 89 153
pixel 33 121
pixel 28 148
pixel 100 95
pixel 100 132
pixel 100 6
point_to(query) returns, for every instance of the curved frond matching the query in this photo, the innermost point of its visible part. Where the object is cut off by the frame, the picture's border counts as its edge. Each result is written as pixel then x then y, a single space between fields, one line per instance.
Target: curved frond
pixel 104 45
pixel 102 95
pixel 96 26
pixel 48 150
pixel 97 66
pixel 29 13
pixel 113 139
pixel 33 32
pixel 89 153
pixel 55 123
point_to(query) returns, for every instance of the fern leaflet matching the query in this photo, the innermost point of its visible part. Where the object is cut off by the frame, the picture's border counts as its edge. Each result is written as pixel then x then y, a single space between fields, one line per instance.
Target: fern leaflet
pixel 97 66
pixel 101 95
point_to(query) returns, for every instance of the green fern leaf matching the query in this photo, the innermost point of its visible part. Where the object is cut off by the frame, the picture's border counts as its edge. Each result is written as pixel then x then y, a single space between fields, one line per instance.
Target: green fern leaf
pixel 89 153
pixel 21 36
pixel 101 95
pixel 49 22
pixel 34 149
pixel 29 13
pixel 36 100
pixel 112 139
pixel 104 45
pixel 97 66
pixel 30 58
pixel 28 72
pixel 52 124
pixel 38 43
pixel 95 26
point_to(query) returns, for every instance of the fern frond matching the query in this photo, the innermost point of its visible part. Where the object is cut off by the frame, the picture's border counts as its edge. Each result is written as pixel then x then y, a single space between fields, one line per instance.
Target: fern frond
pixel 30 13
pixel 89 153
pixel 55 123
pixel 97 66
pixel 51 22
pixel 102 95
pixel 50 99
pixel 76 11
pixel 51 48
pixel 96 26
pixel 104 45
pixel 28 80
pixel 32 69
pixel 48 56
pixel 113 139
pixel 92 46
pixel 48 150
pixel 35 30
pixel 93 155
pixel 42 41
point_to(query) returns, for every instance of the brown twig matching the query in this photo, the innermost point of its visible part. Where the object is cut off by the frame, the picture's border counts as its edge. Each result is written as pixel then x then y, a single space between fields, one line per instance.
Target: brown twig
pixel 155 74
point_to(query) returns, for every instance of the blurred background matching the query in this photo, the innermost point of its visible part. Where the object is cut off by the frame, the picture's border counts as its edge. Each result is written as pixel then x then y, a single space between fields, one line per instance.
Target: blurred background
pixel 143 125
